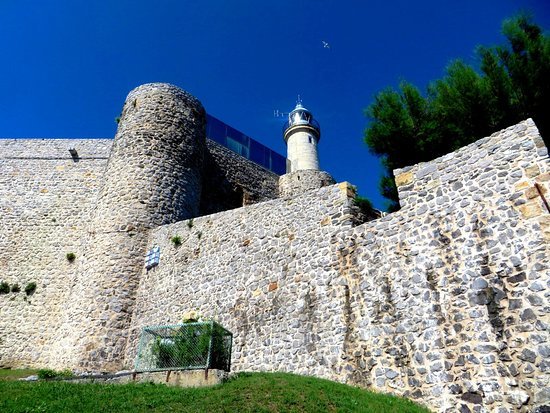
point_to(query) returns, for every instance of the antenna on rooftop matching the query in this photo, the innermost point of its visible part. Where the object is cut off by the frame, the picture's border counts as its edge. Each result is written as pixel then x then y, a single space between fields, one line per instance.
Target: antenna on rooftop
pixel 278 114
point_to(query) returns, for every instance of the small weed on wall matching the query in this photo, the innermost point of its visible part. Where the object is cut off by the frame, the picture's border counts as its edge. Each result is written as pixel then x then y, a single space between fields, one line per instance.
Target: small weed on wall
pixel 30 288
pixel 4 287
pixel 70 256
pixel 176 240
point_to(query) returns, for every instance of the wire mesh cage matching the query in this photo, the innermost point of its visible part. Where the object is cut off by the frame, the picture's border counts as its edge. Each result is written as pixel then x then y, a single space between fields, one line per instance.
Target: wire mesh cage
pixel 189 346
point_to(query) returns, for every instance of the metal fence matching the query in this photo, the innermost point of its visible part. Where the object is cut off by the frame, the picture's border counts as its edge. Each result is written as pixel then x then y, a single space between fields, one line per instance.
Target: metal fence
pixel 190 346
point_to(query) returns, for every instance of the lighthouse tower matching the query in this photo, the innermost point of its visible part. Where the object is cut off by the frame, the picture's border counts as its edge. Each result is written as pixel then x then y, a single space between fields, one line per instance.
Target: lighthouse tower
pixel 302 134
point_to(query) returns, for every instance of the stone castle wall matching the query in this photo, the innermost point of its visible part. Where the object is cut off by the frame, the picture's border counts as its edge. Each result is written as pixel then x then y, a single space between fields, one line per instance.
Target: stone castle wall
pixel 45 197
pixel 444 301
pixel 153 177
pixel 264 272
pixel 448 298
pixel 99 204
pixel 231 181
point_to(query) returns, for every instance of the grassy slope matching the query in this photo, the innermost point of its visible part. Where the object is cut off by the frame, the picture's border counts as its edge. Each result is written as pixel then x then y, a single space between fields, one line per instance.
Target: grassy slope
pixel 248 392
pixel 8 374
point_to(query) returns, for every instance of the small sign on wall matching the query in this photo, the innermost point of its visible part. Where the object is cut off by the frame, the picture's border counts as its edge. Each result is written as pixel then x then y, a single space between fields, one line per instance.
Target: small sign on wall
pixel 152 258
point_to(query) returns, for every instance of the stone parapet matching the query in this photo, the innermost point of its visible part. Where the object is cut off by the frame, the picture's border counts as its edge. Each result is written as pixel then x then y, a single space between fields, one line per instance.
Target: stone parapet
pixel 54 149
pixel 463 176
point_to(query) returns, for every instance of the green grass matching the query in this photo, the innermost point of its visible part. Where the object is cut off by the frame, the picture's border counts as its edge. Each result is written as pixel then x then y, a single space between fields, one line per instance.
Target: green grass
pixel 7 374
pixel 248 392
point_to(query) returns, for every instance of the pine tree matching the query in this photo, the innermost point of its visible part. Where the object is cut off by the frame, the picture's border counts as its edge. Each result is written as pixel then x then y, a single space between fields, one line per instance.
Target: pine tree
pixel 407 127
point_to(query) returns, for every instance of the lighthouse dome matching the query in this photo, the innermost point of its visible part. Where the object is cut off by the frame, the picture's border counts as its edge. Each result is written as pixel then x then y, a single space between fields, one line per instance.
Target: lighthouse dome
pixel 301 117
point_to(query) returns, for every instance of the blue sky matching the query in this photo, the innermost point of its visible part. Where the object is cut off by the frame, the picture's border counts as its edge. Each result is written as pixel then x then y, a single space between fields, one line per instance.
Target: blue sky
pixel 67 65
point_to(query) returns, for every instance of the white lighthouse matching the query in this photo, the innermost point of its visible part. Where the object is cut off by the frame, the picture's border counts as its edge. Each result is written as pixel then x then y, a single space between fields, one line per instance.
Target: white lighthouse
pixel 302 134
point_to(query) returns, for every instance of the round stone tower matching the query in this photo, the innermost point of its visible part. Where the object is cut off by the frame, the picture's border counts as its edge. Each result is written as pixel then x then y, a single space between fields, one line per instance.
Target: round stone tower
pixel 154 172
pixel 302 134
pixel 153 177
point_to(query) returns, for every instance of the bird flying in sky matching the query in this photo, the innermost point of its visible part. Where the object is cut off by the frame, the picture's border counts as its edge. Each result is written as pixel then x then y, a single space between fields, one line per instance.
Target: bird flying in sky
pixel 325 44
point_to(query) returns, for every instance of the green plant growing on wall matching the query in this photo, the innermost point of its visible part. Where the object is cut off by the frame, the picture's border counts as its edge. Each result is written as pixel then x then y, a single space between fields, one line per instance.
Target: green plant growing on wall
pixel 4 287
pixel 30 288
pixel 176 240
pixel 199 234
pixel 190 223
pixel 364 205
pixel 71 256
pixel 15 288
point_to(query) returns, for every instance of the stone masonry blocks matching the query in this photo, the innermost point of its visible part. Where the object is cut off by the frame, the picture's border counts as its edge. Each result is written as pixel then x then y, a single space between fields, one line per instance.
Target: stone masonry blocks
pixel 295 183
pixel 154 171
pixel 44 209
pixel 153 177
pixel 444 301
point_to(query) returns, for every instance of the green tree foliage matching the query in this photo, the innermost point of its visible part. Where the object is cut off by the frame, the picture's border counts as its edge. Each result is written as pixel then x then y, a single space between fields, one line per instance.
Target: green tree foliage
pixel 407 127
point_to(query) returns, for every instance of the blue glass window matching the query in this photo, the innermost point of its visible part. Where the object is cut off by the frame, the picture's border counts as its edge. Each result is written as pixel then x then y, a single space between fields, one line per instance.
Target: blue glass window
pixel 245 146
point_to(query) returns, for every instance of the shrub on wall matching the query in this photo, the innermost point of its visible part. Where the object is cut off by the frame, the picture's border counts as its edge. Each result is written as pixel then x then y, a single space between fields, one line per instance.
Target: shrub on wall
pixel 30 288
pixel 364 205
pixel 71 256
pixel 4 287
pixel 15 288
pixel 176 240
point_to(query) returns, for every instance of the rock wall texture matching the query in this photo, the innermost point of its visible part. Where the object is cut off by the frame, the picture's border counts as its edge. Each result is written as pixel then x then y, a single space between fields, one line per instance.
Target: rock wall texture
pixel 448 298
pixel 445 301
pixel 98 203
pixel 298 182
pixel 153 177
pixel 231 181
pixel 45 195
pixel 263 271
